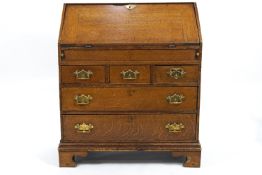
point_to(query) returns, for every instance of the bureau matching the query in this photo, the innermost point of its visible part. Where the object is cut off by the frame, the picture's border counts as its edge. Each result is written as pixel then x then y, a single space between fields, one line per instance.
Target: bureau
pixel 129 80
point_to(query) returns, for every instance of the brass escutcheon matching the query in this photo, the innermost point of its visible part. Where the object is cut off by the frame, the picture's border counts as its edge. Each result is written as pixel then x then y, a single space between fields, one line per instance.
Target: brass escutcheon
pixel 130 6
pixel 175 127
pixel 83 99
pixel 129 74
pixel 175 98
pixel 176 72
pixel 84 128
pixel 83 74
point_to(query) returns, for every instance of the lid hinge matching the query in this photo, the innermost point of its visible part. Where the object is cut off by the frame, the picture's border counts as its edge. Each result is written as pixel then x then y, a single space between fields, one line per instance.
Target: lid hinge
pixel 88 46
pixel 171 45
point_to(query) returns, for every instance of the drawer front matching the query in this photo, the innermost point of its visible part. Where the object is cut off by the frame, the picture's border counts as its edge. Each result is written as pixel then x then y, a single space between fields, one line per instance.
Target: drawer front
pixel 124 128
pixel 173 99
pixel 129 55
pixel 129 74
pixel 175 74
pixel 82 74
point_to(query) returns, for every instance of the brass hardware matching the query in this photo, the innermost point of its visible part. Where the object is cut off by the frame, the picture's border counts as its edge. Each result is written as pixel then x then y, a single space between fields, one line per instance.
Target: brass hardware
pixel 83 99
pixel 88 46
pixel 176 72
pixel 84 128
pixel 83 74
pixel 171 45
pixel 130 6
pixel 197 54
pixel 175 99
pixel 62 55
pixel 175 127
pixel 129 74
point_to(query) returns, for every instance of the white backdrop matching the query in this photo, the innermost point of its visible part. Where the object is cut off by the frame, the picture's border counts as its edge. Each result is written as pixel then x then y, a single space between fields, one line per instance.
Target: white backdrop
pixel 231 96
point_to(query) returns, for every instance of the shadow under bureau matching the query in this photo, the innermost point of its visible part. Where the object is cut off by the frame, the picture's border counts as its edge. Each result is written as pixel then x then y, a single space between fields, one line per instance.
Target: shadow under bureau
pixel 130 79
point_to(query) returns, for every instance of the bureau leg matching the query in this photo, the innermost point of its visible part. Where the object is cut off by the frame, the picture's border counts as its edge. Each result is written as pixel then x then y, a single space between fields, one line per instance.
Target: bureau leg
pixel 192 158
pixel 67 159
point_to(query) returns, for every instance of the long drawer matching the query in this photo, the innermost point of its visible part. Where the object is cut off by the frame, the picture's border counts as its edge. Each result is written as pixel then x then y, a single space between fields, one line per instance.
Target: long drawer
pixel 155 99
pixel 72 55
pixel 125 128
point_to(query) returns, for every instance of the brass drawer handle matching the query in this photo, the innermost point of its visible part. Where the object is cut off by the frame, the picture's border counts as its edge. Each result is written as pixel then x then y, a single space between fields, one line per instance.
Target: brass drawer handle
pixel 83 74
pixel 84 128
pixel 130 74
pixel 175 127
pixel 176 72
pixel 175 99
pixel 83 99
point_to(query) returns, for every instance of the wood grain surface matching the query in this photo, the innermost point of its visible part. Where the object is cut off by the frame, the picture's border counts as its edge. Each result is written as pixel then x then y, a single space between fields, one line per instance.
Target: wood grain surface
pixel 161 76
pixel 150 99
pixel 72 55
pixel 146 23
pixel 68 75
pixel 126 128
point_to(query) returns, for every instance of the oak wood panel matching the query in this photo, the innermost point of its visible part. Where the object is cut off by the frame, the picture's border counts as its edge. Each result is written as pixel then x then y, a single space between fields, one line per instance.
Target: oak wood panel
pixel 153 46
pixel 68 75
pixel 126 128
pixel 161 76
pixel 142 78
pixel 128 55
pixel 130 99
pixel 64 62
pixel 166 145
pixel 146 23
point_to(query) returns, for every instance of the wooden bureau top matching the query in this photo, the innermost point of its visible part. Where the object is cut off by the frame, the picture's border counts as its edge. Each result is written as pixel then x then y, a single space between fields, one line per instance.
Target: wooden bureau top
pixel 120 24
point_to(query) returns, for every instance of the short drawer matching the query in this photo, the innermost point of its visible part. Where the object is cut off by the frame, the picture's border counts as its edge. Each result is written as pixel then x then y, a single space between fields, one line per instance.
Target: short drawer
pixel 175 74
pixel 129 74
pixel 125 128
pixel 173 99
pixel 82 74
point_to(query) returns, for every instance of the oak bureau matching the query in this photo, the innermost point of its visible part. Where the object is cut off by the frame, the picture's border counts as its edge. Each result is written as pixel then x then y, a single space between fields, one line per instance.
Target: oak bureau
pixel 130 79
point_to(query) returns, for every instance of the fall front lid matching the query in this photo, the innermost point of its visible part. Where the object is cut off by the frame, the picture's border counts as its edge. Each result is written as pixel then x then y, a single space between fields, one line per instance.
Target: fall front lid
pixel 135 24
